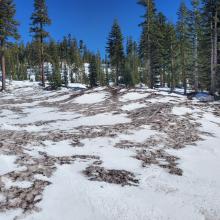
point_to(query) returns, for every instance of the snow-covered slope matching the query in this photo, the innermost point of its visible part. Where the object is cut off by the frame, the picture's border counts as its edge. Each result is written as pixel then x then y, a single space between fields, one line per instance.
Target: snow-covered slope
pixel 105 155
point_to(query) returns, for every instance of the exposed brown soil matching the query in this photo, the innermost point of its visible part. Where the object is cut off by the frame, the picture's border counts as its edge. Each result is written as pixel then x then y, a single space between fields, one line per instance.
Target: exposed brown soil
pixel 120 177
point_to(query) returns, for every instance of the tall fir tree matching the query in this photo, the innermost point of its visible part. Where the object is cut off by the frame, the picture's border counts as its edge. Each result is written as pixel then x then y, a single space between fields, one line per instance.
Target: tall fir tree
pixel 93 72
pixel 148 41
pixel 161 46
pixel 100 71
pixel 40 20
pixel 131 73
pixel 171 56
pixel 195 35
pixel 65 76
pixel 106 70
pixel 8 29
pixel 184 44
pixel 211 23
pixel 54 58
pixel 115 51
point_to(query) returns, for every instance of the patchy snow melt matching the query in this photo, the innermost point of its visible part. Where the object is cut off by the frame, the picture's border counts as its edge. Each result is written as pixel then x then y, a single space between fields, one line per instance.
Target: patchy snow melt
pixel 91 98
pixel 184 110
pixel 133 96
pixel 132 106
pixel 45 137
pixel 7 164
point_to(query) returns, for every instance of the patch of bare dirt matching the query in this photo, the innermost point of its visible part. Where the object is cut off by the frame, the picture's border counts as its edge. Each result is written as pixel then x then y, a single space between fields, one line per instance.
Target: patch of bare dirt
pixel 23 198
pixel 160 158
pixel 120 177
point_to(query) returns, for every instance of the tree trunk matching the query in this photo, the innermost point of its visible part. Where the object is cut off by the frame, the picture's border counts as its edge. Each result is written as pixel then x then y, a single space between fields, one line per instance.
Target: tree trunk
pixel 212 64
pixel 149 72
pixel 215 58
pixel 3 71
pixel 116 75
pixel 42 67
pixel 196 70
pixel 3 64
pixel 42 59
pixel 184 76
pixel 214 51
pixel 172 69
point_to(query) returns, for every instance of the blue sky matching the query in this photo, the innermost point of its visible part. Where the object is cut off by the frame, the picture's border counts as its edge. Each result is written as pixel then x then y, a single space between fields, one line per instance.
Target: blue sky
pixel 91 20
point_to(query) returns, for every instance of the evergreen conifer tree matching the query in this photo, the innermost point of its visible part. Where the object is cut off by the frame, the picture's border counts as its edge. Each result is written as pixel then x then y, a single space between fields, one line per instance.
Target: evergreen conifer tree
pixel 171 56
pixel 55 78
pixel 93 72
pixel 8 29
pixel 131 74
pixel 148 41
pixel 39 20
pixel 115 51
pixel 211 24
pixel 195 34
pixel 184 44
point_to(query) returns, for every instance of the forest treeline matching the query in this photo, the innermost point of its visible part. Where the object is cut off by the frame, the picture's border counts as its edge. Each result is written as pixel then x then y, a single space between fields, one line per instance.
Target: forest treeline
pixel 184 54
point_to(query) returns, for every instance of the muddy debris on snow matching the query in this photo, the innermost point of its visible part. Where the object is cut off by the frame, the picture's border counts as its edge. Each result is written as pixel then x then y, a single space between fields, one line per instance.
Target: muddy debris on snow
pixel 23 198
pixel 160 158
pixel 120 177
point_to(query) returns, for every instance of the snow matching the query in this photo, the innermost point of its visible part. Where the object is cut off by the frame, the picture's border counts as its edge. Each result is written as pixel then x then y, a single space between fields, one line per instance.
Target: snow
pixel 133 96
pixel 7 164
pixel 2 198
pixel 159 195
pixel 184 110
pixel 77 85
pixel 19 184
pixel 167 99
pixel 132 106
pixel 102 119
pixel 91 98
pixel 61 98
pixel 59 149
pixel 9 215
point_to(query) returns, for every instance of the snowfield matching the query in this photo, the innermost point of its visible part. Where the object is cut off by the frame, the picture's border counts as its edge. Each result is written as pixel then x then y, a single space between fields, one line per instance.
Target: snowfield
pixel 107 154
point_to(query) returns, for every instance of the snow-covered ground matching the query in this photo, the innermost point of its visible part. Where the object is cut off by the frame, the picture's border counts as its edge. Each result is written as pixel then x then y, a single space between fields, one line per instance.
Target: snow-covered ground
pixel 132 155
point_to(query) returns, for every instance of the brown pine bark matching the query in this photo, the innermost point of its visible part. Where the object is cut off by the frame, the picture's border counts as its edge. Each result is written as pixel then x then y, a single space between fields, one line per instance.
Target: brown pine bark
pixel 214 51
pixel 3 66
pixel 3 71
pixel 42 58
pixel 196 70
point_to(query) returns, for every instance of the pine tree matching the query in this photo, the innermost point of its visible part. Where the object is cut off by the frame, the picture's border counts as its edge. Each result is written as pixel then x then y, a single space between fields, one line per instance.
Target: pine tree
pixel 100 72
pixel 211 23
pixel 115 51
pixel 16 61
pixel 39 20
pixel 55 78
pixel 160 49
pixel 204 53
pixel 65 76
pixel 106 70
pixel 195 34
pixel 131 74
pixel 148 39
pixel 171 55
pixel 184 44
pixel 75 60
pixel 93 72
pixel 64 52
pixel 8 29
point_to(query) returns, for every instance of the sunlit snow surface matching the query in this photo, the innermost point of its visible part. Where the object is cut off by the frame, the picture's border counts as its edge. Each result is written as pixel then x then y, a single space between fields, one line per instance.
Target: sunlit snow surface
pixel 98 124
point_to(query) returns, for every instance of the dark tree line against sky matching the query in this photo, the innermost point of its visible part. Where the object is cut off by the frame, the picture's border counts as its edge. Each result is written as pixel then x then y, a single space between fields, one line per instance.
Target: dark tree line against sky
pixel 185 54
